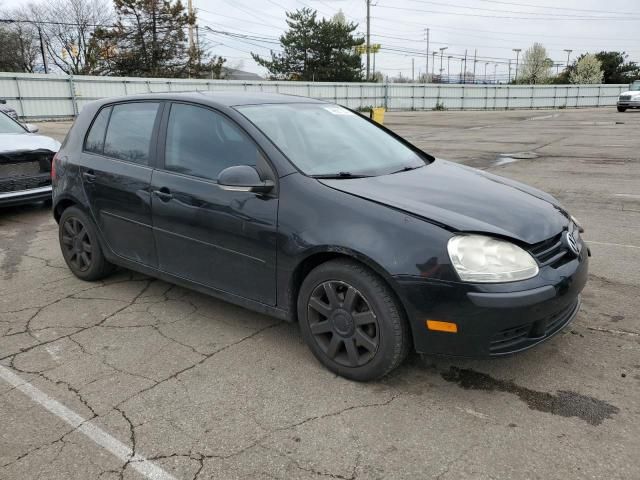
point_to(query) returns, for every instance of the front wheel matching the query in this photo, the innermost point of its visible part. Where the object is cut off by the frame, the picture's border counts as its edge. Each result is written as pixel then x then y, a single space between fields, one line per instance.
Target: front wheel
pixel 80 246
pixel 351 321
pixel 622 109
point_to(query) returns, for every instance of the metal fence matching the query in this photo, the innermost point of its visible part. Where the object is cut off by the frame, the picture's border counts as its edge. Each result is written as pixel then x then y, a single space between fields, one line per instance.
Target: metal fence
pixel 37 96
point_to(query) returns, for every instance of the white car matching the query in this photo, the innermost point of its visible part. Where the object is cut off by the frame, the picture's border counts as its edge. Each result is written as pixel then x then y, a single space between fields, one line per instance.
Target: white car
pixel 631 98
pixel 25 163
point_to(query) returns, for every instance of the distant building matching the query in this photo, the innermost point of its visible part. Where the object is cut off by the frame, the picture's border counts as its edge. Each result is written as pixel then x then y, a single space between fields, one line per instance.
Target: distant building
pixel 233 74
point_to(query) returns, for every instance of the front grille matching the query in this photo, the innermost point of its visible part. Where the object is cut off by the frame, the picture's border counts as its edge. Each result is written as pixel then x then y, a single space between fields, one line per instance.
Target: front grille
pixel 625 97
pixel 515 338
pixel 24 183
pixel 24 171
pixel 550 252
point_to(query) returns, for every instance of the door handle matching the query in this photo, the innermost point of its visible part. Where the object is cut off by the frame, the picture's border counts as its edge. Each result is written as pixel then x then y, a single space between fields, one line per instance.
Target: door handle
pixel 163 194
pixel 89 176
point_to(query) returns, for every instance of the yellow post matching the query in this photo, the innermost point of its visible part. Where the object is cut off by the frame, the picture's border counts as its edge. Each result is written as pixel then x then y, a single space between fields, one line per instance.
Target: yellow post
pixel 377 115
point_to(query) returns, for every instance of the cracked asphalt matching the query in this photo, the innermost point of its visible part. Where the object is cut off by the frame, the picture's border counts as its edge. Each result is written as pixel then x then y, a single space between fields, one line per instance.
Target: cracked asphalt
pixel 204 389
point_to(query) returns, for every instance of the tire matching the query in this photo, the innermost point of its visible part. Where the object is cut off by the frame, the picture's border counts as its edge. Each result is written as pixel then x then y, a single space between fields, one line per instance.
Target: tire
pixel 360 332
pixel 622 109
pixel 80 246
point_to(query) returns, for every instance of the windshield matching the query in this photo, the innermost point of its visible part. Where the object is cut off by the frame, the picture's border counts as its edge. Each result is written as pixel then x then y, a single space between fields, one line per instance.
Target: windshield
pixel 635 87
pixel 328 140
pixel 9 126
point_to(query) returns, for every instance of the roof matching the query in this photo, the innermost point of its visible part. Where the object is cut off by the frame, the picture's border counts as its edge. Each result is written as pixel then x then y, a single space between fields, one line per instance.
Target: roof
pixel 235 74
pixel 226 99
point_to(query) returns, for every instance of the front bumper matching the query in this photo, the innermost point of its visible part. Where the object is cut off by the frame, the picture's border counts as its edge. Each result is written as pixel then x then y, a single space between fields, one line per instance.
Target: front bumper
pixel 494 319
pixel 629 103
pixel 25 196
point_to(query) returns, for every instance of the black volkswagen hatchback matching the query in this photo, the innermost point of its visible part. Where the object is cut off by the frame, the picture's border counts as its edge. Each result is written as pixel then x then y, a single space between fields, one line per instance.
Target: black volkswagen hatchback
pixel 310 212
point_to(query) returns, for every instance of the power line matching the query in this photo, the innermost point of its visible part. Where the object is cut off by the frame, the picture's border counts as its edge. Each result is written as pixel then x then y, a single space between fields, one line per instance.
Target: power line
pixel 626 18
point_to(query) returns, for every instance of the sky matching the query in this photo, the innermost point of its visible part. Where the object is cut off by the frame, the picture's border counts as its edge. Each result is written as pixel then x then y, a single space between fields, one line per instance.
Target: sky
pixel 493 28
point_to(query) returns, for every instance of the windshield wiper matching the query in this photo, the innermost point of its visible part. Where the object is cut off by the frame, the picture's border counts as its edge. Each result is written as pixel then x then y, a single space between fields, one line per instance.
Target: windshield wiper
pixel 339 175
pixel 406 168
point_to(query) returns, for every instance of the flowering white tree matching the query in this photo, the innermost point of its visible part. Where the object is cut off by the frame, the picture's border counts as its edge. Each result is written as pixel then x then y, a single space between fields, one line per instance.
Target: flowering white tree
pixel 536 66
pixel 588 69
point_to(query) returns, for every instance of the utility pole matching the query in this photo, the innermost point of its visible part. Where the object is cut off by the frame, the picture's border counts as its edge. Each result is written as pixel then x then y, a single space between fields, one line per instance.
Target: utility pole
pixel 475 63
pixel 464 69
pixel 190 9
pixel 568 55
pixel 517 50
pixel 442 49
pixel 433 66
pixel 449 69
pixel 368 37
pixel 495 73
pixel 426 74
pixel 509 71
pixel 44 56
pixel 413 69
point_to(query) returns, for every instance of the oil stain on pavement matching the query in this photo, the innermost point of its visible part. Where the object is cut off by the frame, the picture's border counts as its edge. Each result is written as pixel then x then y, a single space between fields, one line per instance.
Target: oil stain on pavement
pixel 564 403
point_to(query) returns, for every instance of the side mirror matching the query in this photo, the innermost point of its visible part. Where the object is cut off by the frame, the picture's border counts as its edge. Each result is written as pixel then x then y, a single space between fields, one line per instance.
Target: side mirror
pixel 31 128
pixel 243 178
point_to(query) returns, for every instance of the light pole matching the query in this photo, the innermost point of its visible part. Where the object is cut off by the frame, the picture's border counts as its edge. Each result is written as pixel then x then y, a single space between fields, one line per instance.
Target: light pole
pixel 449 68
pixel 485 71
pixel 517 50
pixel 433 65
pixel 442 49
pixel 568 55
pixel 495 73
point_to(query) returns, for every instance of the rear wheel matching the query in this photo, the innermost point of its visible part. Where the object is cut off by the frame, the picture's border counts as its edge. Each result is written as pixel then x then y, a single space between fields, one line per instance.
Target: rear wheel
pixel 351 321
pixel 80 246
pixel 622 109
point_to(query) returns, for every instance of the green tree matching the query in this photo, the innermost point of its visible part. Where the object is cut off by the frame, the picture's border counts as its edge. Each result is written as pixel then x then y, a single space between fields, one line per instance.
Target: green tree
pixel 536 66
pixel 149 40
pixel 617 69
pixel 587 70
pixel 315 50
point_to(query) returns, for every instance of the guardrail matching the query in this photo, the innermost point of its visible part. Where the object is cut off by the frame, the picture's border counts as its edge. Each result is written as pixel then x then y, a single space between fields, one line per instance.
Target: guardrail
pixel 37 96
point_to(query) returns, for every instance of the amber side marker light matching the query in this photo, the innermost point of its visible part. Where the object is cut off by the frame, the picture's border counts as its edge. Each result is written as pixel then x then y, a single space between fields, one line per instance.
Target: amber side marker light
pixel 439 326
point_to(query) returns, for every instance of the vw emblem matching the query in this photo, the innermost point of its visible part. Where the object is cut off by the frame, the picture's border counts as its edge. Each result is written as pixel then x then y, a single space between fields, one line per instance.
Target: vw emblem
pixel 571 242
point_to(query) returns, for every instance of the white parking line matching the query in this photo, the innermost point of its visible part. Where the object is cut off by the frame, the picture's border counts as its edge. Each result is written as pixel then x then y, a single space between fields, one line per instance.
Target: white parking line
pixel 613 244
pixel 99 436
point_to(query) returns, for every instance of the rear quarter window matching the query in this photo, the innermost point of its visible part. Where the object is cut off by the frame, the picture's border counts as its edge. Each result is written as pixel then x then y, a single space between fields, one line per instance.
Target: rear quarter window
pixel 94 141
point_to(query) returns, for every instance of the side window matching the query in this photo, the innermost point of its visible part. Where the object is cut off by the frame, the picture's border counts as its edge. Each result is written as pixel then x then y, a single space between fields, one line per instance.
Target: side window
pixel 95 138
pixel 129 132
pixel 202 143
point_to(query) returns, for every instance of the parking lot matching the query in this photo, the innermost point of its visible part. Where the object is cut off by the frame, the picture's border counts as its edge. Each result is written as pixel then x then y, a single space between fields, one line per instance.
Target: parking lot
pixel 134 378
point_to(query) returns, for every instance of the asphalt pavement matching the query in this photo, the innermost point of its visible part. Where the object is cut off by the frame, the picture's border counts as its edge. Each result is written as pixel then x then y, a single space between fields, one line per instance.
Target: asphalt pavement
pixel 134 378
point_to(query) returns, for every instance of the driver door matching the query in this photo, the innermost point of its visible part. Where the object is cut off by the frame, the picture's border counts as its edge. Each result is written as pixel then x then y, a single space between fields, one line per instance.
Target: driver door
pixel 221 239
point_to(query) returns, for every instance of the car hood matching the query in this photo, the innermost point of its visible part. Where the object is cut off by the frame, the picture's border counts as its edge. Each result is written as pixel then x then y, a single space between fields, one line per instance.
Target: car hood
pixel 464 199
pixel 631 92
pixel 25 142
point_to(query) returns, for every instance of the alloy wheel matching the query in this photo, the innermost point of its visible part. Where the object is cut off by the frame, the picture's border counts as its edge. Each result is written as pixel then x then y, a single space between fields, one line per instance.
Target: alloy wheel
pixel 343 324
pixel 77 244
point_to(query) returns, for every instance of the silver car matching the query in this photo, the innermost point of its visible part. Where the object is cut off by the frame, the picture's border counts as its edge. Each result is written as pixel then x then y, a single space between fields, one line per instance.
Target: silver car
pixel 25 163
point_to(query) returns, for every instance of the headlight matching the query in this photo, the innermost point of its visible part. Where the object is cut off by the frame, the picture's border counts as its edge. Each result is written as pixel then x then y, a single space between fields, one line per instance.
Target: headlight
pixel 482 259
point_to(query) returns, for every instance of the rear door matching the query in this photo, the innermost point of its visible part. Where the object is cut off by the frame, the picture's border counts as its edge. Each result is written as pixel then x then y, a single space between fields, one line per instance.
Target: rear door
pixel 117 162
pixel 221 239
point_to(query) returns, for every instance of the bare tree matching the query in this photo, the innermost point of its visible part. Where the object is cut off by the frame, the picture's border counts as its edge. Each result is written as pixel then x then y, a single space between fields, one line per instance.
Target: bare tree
pixel 67 27
pixel 18 45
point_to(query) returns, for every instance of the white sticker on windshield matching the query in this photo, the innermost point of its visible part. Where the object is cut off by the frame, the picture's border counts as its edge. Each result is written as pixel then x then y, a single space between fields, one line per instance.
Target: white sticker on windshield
pixel 336 110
